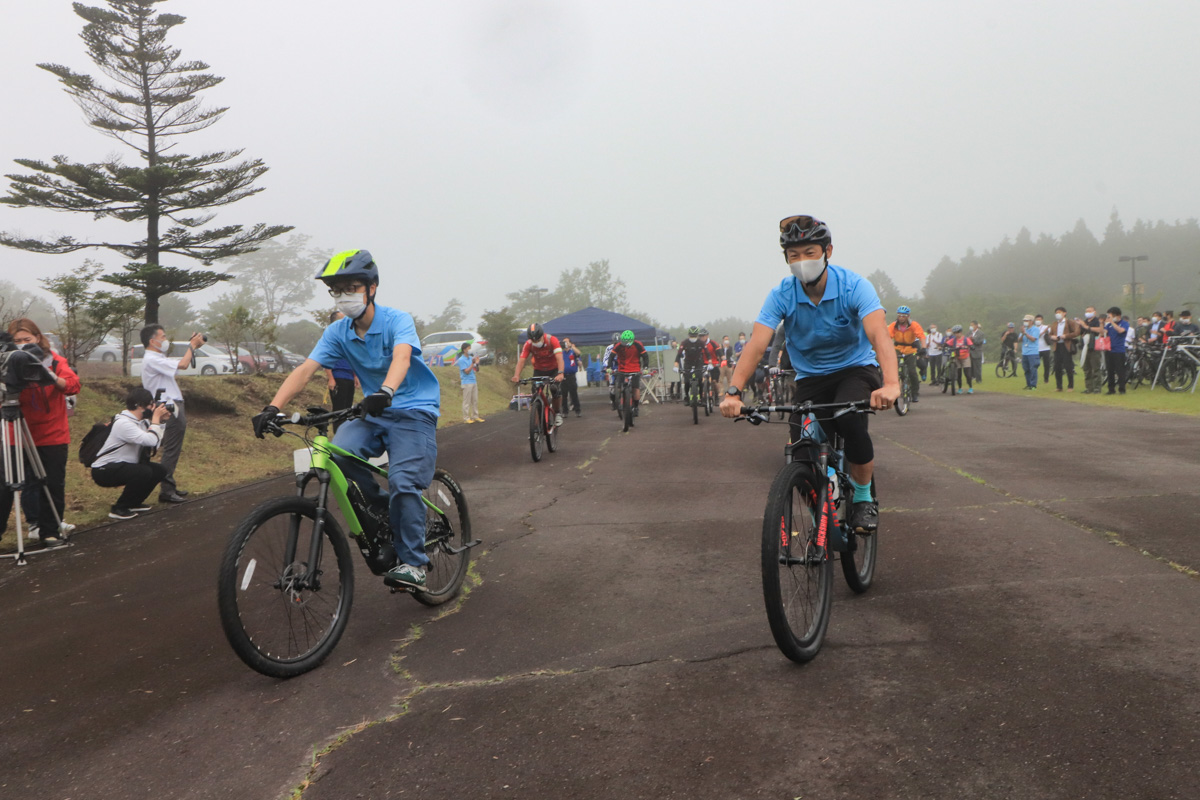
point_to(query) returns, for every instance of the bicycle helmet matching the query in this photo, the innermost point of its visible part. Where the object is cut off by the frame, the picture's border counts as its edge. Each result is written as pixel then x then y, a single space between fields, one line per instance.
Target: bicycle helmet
pixel 802 229
pixel 627 337
pixel 693 331
pixel 350 264
pixel 535 331
pixel 616 338
pixel 704 331
pixel 903 310
pixel 956 329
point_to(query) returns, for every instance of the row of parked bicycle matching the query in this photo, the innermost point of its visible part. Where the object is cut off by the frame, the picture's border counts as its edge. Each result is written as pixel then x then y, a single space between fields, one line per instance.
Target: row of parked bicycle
pixel 1174 366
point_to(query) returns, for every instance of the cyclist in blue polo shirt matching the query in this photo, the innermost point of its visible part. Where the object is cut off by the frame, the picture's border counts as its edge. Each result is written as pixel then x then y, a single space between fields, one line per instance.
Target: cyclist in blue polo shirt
pixel 401 398
pixel 838 342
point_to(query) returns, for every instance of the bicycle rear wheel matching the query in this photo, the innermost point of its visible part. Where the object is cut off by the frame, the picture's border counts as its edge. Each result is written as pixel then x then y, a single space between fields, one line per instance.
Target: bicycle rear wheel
pixel 1178 374
pixel 626 405
pixel 694 402
pixel 536 409
pixel 858 565
pixel 797 579
pixel 446 536
pixel 282 608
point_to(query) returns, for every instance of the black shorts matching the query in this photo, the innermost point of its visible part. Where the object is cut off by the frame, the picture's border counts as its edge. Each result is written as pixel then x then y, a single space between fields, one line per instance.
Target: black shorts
pixel 634 379
pixel 843 386
pixel 548 373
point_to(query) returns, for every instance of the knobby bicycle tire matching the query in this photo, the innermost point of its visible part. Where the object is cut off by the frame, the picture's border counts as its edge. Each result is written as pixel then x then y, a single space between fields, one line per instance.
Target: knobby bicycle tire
pixel 858 565
pixel 902 401
pixel 443 534
pixel 548 426
pixel 535 427
pixel 275 625
pixel 1178 374
pixel 626 405
pixel 797 588
pixel 694 402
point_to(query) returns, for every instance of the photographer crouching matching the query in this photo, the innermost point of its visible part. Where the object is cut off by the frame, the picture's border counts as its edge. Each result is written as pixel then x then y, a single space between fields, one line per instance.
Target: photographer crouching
pixel 158 377
pixel 124 457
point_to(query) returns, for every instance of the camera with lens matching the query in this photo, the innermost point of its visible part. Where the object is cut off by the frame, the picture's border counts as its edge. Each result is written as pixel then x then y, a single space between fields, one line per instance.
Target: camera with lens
pixel 170 407
pixel 21 366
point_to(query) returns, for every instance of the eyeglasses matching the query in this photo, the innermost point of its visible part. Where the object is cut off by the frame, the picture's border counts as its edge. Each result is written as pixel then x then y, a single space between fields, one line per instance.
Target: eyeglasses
pixel 803 221
pixel 353 288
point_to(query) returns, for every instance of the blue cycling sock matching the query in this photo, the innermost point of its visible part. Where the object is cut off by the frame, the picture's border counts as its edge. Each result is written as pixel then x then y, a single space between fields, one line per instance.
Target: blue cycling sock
pixel 862 494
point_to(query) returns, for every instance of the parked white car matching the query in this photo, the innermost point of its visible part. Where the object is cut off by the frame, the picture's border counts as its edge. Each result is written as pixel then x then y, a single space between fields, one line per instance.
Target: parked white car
pixel 209 360
pixel 444 343
pixel 108 350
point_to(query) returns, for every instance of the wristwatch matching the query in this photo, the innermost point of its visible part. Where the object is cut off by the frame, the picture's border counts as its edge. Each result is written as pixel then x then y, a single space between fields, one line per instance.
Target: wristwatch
pixel 733 391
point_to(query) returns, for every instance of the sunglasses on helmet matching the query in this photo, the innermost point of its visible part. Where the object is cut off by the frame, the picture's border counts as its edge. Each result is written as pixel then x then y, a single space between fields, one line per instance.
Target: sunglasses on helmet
pixel 803 221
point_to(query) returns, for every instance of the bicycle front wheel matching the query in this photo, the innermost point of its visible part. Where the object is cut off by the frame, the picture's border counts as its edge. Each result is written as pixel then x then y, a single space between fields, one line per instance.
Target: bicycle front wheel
pixel 550 428
pixel 447 531
pixel 626 406
pixel 797 577
pixel 283 608
pixel 902 401
pixel 536 409
pixel 1178 374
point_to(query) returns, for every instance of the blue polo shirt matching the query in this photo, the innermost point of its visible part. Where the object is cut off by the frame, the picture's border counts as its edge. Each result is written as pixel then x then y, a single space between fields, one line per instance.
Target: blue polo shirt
pixel 371 355
pixel 828 336
pixel 464 363
pixel 1029 347
pixel 1116 332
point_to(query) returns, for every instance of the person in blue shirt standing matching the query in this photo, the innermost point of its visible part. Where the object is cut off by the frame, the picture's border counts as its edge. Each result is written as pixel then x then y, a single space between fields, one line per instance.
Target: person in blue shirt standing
pixel 572 359
pixel 468 367
pixel 1116 329
pixel 1031 338
pixel 839 346
pixel 342 382
pixel 401 401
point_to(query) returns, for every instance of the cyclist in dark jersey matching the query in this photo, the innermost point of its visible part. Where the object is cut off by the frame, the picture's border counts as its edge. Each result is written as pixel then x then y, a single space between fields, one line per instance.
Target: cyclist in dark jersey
pixel 546 352
pixel 694 353
pixel 629 357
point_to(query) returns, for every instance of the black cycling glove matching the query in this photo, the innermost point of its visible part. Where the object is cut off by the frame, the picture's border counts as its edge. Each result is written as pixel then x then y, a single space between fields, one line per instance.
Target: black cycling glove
pixel 261 421
pixel 375 403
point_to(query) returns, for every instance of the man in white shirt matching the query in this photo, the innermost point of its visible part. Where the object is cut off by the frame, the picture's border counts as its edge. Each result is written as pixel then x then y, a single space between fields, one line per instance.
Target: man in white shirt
pixel 158 373
pixel 935 340
pixel 120 463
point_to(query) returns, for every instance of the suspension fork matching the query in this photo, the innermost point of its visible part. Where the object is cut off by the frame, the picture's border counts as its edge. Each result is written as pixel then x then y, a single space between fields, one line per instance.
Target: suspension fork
pixel 310 578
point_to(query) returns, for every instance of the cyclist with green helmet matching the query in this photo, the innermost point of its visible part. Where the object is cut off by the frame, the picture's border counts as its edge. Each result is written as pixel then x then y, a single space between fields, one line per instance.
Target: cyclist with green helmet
pixel 838 342
pixel 401 401
pixel 629 358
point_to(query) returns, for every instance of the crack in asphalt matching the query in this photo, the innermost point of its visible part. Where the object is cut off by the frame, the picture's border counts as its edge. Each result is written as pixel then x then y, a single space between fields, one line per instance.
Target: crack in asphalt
pixel 1043 506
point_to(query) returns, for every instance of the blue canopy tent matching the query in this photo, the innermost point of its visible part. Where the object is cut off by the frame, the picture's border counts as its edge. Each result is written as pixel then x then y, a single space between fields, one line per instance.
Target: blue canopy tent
pixel 595 326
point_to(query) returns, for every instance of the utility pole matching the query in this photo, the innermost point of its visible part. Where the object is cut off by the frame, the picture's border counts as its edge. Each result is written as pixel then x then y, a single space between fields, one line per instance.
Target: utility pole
pixel 1133 279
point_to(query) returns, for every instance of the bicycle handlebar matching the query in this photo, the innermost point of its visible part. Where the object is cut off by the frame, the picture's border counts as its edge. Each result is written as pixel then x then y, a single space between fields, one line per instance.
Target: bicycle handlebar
pixel 754 414
pixel 314 418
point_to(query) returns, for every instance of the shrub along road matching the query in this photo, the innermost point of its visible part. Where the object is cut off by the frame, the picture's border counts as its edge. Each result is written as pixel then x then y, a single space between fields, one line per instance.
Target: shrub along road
pixel 615 645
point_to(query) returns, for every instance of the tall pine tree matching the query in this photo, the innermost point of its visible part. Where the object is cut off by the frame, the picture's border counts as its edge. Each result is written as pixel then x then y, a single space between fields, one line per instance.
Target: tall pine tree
pixel 152 99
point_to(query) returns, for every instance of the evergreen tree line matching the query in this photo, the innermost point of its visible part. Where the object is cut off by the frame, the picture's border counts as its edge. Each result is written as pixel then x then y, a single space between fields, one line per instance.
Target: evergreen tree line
pixel 1030 276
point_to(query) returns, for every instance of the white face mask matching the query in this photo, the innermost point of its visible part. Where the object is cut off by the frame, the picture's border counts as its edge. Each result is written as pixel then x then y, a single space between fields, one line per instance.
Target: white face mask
pixel 1058 317
pixel 352 304
pixel 693 338
pixel 808 270
pixel 1089 314
pixel 164 346
pixel 542 343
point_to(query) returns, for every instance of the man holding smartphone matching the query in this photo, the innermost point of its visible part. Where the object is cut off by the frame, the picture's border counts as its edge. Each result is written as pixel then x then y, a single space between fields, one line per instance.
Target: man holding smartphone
pixel 158 378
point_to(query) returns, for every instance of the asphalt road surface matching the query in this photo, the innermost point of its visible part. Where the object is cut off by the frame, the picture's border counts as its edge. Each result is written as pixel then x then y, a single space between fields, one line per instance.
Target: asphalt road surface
pixel 1032 632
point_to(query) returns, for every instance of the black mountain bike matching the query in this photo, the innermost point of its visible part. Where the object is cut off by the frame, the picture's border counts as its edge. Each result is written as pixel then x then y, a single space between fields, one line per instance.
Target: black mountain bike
pixel 805 522
pixel 624 391
pixel 693 382
pixel 1006 367
pixel 905 388
pixel 286 581
pixel 542 430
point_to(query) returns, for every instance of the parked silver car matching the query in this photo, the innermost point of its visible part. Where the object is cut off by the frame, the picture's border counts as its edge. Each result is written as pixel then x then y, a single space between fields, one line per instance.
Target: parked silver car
pixel 108 350
pixel 446 343
pixel 209 360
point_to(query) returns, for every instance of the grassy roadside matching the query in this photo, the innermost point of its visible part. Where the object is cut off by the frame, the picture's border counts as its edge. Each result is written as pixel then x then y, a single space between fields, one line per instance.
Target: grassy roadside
pixel 1143 399
pixel 220 450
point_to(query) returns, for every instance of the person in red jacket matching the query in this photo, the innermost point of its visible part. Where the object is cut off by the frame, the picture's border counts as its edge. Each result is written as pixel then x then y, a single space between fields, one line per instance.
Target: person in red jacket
pixel 45 411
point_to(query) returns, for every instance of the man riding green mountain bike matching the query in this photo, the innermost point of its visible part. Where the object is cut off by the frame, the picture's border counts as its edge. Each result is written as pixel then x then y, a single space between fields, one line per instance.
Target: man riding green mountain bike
pixel 838 342
pixel 401 401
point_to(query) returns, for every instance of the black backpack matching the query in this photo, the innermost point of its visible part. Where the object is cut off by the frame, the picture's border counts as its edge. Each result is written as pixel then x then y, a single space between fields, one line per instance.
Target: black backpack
pixel 93 442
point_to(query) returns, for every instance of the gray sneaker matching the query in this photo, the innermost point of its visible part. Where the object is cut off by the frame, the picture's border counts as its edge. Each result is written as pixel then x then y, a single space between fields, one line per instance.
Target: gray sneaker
pixel 405 576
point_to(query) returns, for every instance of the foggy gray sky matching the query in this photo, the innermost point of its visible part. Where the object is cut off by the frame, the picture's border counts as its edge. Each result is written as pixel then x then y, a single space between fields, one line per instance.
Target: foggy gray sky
pixel 481 147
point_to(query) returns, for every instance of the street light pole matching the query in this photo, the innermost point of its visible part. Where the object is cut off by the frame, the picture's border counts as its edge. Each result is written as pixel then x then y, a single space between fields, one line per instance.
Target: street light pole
pixel 1133 280
pixel 543 291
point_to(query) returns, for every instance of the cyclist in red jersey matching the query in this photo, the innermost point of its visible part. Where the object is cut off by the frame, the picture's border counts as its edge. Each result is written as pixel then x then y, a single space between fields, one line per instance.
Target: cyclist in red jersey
pixel 546 352
pixel 629 357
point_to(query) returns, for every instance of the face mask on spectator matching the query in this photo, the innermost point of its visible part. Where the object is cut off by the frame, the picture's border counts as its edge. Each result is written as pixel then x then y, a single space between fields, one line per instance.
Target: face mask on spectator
pixel 1155 319
pixel 1089 314
pixel 1058 316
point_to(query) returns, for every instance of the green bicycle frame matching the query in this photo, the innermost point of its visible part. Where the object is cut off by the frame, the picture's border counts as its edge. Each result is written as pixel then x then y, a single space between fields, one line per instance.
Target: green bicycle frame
pixel 322 463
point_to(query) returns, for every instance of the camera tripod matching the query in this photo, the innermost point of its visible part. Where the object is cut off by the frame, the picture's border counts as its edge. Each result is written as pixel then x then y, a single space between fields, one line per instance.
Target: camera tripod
pixel 18 451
